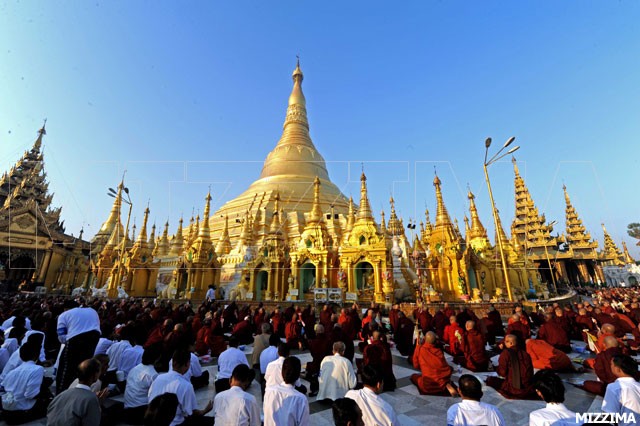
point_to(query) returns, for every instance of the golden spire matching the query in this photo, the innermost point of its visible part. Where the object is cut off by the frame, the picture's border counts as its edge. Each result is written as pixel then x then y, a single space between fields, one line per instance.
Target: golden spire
pixel 275 220
pixel 467 228
pixel 113 221
pixel 351 216
pixel 142 237
pixel 503 235
pixel 177 241
pixel 442 215
pixel 395 225
pixel 316 212
pixel 38 143
pixel 577 236
pixel 383 225
pixel 224 242
pixel 428 227
pixel 152 238
pixel 162 249
pixel 297 97
pixel 627 256
pixel 611 250
pixel 204 228
pixel 476 230
pixel 364 212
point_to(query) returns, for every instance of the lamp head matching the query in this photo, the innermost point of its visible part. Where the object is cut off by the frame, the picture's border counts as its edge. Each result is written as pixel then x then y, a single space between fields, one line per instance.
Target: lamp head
pixel 509 141
pixel 113 191
pixel 487 143
pixel 514 149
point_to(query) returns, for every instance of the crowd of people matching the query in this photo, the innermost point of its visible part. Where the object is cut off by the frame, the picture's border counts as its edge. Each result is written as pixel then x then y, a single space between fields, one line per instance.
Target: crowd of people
pixel 150 352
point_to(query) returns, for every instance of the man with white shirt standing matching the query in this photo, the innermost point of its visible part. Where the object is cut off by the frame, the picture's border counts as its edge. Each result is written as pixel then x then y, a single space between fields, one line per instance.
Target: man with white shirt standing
pixel 283 405
pixel 227 361
pixel 211 294
pixel 471 411
pixel 79 329
pixel 175 382
pixel 623 395
pixel 23 401
pixel 136 393
pixel 237 407
pixel 548 385
pixel 375 410
pixel 336 374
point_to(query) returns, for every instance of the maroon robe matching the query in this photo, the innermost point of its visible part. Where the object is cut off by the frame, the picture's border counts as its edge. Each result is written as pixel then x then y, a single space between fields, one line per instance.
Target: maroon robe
pixel 450 337
pixel 243 332
pixel 520 330
pixel 404 336
pixel 475 356
pixel 516 367
pixel 602 367
pixel 393 319
pixel 440 321
pixel 378 355
pixel 584 322
pixel 424 319
pixel 556 336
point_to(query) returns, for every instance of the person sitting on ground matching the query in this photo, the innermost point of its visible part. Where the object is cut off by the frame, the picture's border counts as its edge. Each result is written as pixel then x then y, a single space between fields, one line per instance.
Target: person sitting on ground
pixel 227 361
pixel 519 329
pixel 175 382
pixel 602 367
pixel 198 377
pixel 623 395
pixel 435 377
pixel 453 337
pixel 554 334
pixel 273 373
pixel 162 410
pixel 283 405
pixel 546 357
pixel 25 400
pixel 378 354
pixel 260 343
pixel 471 410
pixel 548 386
pixel 473 348
pixel 139 380
pixel 78 405
pixel 515 366
pixel 375 410
pixel 346 413
pixel 336 374
pixel 236 406
pixel 268 355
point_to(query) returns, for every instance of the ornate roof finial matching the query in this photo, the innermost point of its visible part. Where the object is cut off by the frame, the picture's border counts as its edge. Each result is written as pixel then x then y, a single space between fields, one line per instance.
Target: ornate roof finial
pixel 477 230
pixel 364 212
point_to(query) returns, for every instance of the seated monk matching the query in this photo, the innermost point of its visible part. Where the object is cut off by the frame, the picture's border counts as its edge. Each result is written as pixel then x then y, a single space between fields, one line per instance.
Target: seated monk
pixel 453 337
pixel 403 336
pixel 519 329
pixel 602 367
pixel 606 330
pixel 293 333
pixel 515 366
pixel 436 373
pixel 243 331
pixel 585 322
pixel 546 357
pixel 378 355
pixel 553 333
pixel 473 343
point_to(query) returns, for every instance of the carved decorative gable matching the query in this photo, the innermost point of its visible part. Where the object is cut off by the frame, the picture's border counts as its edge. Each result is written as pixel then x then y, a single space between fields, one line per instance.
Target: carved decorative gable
pixel 24 223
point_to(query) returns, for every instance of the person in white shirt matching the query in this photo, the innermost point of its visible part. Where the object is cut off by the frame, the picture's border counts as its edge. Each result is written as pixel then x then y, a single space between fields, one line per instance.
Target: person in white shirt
pixel 227 361
pixel 115 352
pixel 132 356
pixel 103 345
pixel 346 413
pixel 211 294
pixel 268 355
pixel 375 410
pixel 623 395
pixel 8 323
pixel 237 407
pixel 283 405
pixel 25 400
pixel 336 374
pixel 79 329
pixel 136 393
pixel 175 382
pixel 548 385
pixel 471 411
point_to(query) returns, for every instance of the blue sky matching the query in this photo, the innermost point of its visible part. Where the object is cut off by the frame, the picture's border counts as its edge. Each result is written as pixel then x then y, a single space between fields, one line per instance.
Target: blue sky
pixel 190 94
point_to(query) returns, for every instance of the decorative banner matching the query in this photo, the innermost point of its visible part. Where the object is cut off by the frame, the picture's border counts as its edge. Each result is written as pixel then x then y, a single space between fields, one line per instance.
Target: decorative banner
pixel 320 295
pixel 351 297
pixel 335 295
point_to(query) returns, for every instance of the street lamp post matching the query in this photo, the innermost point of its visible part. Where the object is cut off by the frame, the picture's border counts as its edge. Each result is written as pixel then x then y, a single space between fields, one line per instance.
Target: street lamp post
pixel 551 271
pixel 113 290
pixel 486 164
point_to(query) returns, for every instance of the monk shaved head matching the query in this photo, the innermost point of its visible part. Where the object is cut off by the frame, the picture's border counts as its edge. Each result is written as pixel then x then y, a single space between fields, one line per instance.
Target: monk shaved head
pixel 608 328
pixel 375 335
pixel 510 341
pixel 548 317
pixel 582 311
pixel 452 319
pixel 515 317
pixel 470 325
pixel 430 337
pixel 610 342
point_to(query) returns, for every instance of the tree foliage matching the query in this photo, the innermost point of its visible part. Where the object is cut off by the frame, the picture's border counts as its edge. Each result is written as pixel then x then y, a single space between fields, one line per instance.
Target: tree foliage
pixel 633 229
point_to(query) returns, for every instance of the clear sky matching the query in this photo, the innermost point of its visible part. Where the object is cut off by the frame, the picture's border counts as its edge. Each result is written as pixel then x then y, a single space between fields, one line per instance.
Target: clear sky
pixel 188 94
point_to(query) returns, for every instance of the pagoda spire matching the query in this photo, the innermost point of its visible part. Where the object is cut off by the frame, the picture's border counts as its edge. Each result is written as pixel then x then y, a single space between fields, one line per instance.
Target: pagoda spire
pixel 351 215
pixel 152 238
pixel 383 225
pixel 142 236
pixel 627 256
pixel 428 227
pixel 224 242
pixel 364 212
pixel 442 215
pixel 178 240
pixel 611 251
pixel 274 228
pixel 316 212
pixel 162 248
pixel 113 220
pixel 395 225
pixel 500 235
pixel 204 231
pixel 477 230
pixel 577 236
